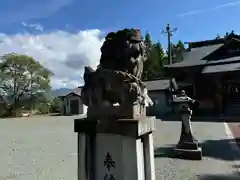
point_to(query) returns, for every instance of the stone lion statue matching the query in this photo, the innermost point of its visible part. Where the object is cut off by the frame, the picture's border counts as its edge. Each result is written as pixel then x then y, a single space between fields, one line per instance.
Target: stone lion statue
pixel 117 78
pixel 124 51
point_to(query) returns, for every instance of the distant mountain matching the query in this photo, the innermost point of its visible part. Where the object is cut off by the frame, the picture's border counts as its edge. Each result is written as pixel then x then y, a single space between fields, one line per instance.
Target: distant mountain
pixel 61 92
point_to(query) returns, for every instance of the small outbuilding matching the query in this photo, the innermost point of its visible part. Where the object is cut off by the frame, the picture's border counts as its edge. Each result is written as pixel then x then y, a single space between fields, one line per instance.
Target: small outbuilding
pixel 72 103
pixel 160 93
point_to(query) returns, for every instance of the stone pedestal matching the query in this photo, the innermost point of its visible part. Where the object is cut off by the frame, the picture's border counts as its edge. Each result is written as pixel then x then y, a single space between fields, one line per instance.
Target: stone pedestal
pixel 188 150
pixel 113 149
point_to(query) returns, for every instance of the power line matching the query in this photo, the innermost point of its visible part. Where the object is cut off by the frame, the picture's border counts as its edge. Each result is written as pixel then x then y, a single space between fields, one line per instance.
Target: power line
pixel 169 33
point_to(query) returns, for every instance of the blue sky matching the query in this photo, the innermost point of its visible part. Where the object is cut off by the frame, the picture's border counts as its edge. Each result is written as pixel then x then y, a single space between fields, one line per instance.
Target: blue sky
pixel 66 34
pixel 210 17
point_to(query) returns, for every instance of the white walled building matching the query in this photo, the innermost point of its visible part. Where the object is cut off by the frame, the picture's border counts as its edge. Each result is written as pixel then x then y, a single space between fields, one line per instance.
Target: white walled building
pixel 72 103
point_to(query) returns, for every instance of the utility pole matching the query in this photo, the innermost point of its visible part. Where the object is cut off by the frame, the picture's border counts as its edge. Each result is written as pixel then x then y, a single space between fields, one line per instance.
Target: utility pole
pixel 169 32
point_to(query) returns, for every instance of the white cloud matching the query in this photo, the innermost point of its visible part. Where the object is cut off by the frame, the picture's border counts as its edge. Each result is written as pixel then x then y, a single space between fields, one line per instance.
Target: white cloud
pixel 217 7
pixel 65 54
pixel 36 26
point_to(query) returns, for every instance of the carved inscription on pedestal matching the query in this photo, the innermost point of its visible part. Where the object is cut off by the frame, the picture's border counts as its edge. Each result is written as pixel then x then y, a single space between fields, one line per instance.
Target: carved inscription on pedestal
pixel 109 164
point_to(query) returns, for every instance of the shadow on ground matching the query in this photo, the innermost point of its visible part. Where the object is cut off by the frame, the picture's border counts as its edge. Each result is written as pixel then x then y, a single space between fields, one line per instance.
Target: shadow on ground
pixel 236 166
pixel 164 152
pixel 173 117
pixel 217 149
pixel 234 176
pixel 56 114
pixel 196 118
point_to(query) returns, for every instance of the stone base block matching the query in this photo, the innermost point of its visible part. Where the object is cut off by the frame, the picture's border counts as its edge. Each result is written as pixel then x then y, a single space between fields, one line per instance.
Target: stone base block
pixel 120 149
pixel 191 154
pixel 117 112
pixel 188 145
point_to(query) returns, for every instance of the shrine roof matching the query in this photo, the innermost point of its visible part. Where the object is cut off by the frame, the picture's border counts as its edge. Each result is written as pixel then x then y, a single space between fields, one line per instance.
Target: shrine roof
pixel 222 68
pixel 196 56
pixel 223 61
pixel 75 92
pixel 160 84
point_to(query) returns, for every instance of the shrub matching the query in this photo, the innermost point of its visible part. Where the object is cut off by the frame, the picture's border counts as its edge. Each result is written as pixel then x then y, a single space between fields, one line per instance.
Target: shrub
pixel 43 108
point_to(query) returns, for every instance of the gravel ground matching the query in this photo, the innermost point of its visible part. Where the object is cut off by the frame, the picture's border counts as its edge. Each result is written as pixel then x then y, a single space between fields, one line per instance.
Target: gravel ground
pixel 39 148
pixel 217 160
pixel 44 148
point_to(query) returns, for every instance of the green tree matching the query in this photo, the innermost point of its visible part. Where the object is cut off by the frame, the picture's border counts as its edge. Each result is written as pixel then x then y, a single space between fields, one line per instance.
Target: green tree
pixel 159 54
pixel 178 51
pixel 153 67
pixel 148 43
pixel 22 76
pixel 56 106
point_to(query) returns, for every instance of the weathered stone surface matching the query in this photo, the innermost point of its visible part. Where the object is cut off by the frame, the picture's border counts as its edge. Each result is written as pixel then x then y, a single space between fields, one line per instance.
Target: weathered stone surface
pixel 117 112
pixel 118 76
pixel 125 127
